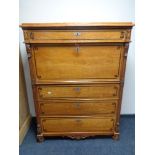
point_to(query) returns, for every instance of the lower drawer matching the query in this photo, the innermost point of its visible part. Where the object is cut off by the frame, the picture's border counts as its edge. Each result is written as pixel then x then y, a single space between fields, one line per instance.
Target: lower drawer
pixel 90 124
pixel 78 107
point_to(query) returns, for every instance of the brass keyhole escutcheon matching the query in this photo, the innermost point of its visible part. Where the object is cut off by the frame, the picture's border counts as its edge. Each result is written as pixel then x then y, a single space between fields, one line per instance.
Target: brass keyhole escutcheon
pixel 77 33
pixel 77 49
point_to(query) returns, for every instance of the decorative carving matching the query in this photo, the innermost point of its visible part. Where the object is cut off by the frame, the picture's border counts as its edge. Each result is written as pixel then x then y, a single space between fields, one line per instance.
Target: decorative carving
pixel 40 138
pixel 41 95
pixel 113 103
pixel 45 130
pixel 38 129
pixel 28 47
pixel 35 48
pixel 31 35
pixel 117 127
pixel 26 35
pixel 39 88
pixel 116 89
pixel 29 55
pixel 42 112
pixel 44 120
pixel 122 35
pixel 112 120
pixel 128 35
pixel 78 137
pixel 112 112
pixel 126 49
pixel 39 76
pixel 118 47
pixel 42 104
pixel 115 136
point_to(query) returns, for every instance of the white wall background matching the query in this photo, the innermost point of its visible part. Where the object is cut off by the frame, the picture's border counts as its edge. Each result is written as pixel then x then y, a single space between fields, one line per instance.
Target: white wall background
pixel 81 11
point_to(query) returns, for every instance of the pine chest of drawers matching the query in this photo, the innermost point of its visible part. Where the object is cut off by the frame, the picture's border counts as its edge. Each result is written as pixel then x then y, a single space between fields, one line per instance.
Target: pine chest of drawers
pixel 77 73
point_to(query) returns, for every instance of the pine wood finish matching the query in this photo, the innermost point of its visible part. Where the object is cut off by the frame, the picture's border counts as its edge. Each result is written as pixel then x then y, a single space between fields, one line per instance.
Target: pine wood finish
pixel 77 72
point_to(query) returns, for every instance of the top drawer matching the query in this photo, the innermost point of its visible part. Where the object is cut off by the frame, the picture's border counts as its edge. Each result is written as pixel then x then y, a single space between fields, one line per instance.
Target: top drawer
pixel 74 35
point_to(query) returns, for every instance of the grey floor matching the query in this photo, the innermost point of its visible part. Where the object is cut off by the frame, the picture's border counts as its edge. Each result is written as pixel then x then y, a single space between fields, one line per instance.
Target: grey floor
pixel 90 146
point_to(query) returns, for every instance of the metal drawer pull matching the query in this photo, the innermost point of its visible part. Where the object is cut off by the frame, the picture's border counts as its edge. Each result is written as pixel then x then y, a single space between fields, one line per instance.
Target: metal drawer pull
pixel 77 89
pixel 77 105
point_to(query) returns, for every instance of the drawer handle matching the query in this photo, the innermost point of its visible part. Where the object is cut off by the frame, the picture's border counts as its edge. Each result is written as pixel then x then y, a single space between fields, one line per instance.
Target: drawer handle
pixel 77 89
pixel 77 105
pixel 77 33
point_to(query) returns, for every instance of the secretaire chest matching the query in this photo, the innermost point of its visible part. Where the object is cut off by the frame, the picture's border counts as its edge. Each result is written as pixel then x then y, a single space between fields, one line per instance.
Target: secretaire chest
pixel 77 72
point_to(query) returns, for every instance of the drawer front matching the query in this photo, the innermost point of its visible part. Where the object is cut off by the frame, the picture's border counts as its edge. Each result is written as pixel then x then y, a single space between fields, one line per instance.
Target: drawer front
pixel 77 62
pixel 43 35
pixel 79 91
pixel 77 124
pixel 78 107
